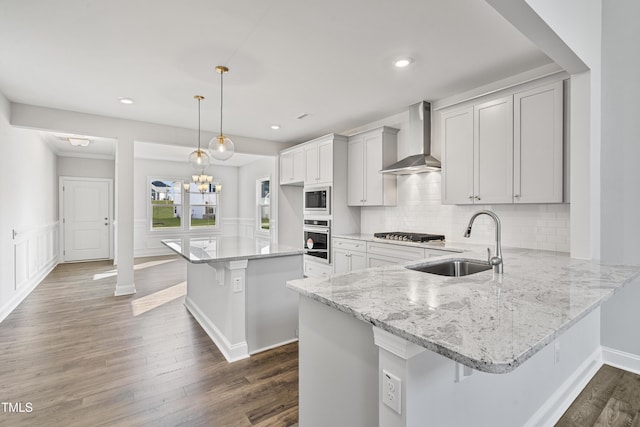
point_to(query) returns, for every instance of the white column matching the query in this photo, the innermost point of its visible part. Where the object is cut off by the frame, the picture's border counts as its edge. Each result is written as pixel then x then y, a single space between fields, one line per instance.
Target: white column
pixel 124 216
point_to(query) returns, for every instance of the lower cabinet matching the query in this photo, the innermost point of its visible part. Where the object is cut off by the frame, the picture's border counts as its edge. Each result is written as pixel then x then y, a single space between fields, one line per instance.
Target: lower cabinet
pixel 349 255
pixel 379 254
pixel 316 269
pixel 354 254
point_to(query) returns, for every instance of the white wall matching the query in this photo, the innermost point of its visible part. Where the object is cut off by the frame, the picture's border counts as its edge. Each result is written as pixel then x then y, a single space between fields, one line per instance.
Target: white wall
pixel 147 242
pixel 86 168
pixel 29 206
pixel 620 168
pixel 247 210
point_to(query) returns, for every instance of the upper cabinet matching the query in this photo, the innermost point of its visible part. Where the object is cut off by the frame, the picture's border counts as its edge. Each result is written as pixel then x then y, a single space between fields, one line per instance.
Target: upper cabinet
pixel 318 162
pixel 538 149
pixel 505 150
pixel 367 154
pixel 457 156
pixel 493 151
pixel 292 167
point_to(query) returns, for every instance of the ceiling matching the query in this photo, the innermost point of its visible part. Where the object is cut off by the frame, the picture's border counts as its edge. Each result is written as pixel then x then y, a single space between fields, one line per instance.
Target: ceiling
pixel 330 59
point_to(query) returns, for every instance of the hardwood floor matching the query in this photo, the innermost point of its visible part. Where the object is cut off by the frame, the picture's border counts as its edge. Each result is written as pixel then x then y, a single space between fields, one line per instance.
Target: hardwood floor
pixel 78 356
pixel 612 398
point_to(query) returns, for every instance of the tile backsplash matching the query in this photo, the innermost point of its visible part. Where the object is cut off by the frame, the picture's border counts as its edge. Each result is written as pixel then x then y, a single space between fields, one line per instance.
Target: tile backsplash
pixel 419 210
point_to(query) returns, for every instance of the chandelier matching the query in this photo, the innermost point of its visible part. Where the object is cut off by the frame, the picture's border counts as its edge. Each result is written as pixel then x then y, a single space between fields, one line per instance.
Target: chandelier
pixel 221 147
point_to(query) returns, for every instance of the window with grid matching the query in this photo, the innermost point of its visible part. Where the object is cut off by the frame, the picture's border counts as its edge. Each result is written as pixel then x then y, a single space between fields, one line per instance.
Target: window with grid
pixel 166 203
pixel 204 207
pixel 264 204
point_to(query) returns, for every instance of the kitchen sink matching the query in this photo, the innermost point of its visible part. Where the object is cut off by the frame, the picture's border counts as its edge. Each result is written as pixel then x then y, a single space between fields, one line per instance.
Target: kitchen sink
pixel 456 267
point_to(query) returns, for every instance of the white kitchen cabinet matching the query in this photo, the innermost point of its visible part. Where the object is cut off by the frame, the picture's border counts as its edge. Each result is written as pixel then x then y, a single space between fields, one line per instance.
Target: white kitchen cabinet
pixel 493 151
pixel 318 162
pixel 368 153
pixel 348 255
pixel 538 145
pixel 457 156
pixel 506 150
pixel 292 167
pixel 317 269
pixel 379 254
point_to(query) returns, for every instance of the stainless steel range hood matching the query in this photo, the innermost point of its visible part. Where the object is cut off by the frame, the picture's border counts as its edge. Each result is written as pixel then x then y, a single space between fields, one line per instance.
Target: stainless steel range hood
pixel 419 129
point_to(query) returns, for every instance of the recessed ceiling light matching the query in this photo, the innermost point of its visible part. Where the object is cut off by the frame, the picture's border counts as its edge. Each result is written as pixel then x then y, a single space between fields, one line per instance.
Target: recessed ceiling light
pixel 402 62
pixel 127 101
pixel 275 127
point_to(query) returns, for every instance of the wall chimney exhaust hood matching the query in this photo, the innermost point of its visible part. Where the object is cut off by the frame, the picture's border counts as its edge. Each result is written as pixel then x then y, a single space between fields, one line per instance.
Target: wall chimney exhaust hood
pixel 419 129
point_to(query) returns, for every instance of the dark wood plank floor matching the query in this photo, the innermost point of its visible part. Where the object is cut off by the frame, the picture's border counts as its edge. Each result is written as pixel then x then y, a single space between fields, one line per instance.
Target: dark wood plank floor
pixel 612 398
pixel 82 357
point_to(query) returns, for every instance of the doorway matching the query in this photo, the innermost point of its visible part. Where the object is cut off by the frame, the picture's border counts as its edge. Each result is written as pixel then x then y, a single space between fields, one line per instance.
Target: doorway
pixel 86 218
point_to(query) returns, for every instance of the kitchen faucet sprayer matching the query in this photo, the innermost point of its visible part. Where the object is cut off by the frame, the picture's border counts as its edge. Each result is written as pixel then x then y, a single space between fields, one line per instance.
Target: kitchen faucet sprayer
pixel 496 259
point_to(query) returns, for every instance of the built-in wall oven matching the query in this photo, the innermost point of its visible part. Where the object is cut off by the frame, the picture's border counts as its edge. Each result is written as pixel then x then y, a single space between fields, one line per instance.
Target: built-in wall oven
pixel 317 200
pixel 317 239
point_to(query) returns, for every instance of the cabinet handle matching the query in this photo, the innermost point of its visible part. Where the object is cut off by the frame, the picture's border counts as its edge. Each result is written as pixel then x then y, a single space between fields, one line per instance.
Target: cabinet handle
pixel 470 197
pixel 477 197
pixel 516 195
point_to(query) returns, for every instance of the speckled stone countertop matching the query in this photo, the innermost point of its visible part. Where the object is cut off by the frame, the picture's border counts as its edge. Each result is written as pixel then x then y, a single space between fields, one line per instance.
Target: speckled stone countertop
pixel 489 322
pixel 218 249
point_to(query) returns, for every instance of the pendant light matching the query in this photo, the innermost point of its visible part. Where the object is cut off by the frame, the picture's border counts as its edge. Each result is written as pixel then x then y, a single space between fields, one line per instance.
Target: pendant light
pixel 199 159
pixel 221 147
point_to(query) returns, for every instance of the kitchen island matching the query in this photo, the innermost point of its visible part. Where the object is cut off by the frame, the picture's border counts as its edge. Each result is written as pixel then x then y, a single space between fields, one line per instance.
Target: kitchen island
pixel 452 351
pixel 236 290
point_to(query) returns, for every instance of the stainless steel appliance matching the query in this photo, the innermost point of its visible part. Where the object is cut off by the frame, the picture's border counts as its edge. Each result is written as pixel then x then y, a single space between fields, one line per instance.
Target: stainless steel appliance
pixel 419 130
pixel 317 239
pixel 317 200
pixel 408 237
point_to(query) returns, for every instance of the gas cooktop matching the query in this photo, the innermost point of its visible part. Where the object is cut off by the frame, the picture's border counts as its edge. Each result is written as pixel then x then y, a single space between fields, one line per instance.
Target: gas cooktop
pixel 408 237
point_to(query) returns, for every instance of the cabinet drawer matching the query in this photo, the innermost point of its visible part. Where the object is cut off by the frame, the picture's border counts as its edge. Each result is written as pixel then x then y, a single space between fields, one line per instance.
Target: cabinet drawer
pixel 382 260
pixel 429 253
pixel 407 253
pixel 350 245
pixel 314 269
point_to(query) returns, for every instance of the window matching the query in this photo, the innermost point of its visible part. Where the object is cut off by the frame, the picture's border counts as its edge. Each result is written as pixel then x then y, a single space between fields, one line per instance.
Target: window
pixel 264 204
pixel 166 204
pixel 204 206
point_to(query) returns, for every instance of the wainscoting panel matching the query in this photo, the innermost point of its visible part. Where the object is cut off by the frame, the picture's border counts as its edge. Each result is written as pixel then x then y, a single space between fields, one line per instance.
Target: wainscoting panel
pixel 35 254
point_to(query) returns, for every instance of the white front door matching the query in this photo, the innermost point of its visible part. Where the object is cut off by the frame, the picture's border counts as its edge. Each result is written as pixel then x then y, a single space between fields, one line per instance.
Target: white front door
pixel 86 219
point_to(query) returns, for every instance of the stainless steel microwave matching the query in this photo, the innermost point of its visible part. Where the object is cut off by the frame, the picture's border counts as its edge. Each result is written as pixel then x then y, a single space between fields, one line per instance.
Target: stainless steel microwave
pixel 317 200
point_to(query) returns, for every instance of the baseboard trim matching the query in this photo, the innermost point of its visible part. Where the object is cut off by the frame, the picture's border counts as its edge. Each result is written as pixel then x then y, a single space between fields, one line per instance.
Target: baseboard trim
pixel 122 290
pixel 620 359
pixel 270 347
pixel 556 405
pixel 231 352
pixel 25 290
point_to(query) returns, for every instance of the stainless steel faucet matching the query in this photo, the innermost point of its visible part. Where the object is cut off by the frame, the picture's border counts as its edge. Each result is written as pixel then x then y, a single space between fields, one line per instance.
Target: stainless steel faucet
pixel 496 259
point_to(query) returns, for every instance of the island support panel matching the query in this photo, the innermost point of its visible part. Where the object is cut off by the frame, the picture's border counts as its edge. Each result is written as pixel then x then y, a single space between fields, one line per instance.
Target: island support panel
pixel 244 305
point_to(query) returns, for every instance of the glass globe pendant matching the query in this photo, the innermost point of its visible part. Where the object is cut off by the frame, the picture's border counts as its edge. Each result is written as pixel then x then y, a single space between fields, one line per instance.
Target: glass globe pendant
pixel 221 147
pixel 199 159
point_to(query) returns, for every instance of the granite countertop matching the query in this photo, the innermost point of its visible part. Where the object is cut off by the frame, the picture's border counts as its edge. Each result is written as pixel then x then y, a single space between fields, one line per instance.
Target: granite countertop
pixel 489 322
pixel 217 249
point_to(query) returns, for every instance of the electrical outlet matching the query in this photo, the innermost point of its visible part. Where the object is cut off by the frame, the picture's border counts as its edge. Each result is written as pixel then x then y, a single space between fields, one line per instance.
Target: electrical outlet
pixel 391 391
pixel 237 284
